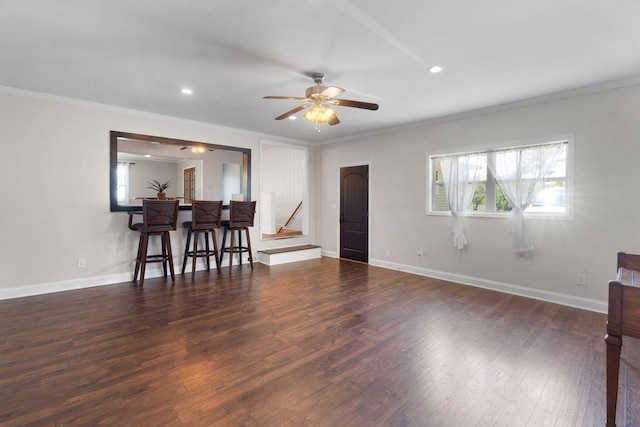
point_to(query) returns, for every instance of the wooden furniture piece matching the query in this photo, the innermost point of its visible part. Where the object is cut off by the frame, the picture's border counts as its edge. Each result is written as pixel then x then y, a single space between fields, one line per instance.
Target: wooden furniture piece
pixel 159 217
pixel 623 319
pixel 241 216
pixel 205 218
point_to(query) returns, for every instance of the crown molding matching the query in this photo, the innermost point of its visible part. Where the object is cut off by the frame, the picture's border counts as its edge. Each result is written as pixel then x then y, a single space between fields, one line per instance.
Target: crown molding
pixel 142 114
pixel 555 96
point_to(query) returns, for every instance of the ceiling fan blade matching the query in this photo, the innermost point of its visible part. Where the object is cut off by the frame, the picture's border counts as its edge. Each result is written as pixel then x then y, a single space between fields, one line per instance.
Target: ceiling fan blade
pixel 355 104
pixel 331 91
pixel 334 120
pixel 292 112
pixel 296 98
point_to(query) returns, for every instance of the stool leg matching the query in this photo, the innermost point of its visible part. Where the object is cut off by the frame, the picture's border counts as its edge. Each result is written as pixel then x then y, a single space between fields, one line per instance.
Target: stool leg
pixel 143 257
pixel 215 249
pixel 207 250
pixel 232 247
pixel 167 242
pixel 194 258
pixel 240 246
pixel 164 254
pixel 249 247
pixel 138 258
pixel 186 251
pixel 224 239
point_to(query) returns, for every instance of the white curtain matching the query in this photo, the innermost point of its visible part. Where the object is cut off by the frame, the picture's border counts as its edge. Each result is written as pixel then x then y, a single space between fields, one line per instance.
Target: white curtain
pixel 459 175
pixel 520 175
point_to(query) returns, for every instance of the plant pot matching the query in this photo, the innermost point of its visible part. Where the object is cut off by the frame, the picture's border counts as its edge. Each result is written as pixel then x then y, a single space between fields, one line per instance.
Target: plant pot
pixel 162 196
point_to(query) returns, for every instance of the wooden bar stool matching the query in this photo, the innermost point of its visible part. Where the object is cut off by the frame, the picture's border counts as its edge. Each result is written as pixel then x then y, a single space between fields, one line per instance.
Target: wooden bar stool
pixel 241 216
pixel 205 219
pixel 159 217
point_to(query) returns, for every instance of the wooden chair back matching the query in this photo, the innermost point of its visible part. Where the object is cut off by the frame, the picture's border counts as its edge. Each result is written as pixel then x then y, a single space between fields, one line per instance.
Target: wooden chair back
pixel 159 215
pixel 628 261
pixel 206 214
pixel 241 214
pixel 623 318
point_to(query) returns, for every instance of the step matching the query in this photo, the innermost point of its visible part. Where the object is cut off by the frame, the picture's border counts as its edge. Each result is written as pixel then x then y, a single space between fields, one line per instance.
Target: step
pixel 289 254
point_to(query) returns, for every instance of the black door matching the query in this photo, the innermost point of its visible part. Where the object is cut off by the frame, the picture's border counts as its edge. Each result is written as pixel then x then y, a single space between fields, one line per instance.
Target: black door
pixel 354 213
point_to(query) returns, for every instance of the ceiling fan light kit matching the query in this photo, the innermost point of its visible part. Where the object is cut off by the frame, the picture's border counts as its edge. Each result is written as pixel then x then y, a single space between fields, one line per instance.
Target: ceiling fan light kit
pixel 319 100
pixel 319 113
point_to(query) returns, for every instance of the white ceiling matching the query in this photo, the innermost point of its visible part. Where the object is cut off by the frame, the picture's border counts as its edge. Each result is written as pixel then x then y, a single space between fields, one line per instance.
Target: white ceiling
pixel 138 54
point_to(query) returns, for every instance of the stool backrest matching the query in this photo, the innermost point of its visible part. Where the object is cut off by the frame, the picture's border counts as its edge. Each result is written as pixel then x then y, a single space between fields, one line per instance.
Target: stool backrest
pixel 159 215
pixel 241 214
pixel 206 214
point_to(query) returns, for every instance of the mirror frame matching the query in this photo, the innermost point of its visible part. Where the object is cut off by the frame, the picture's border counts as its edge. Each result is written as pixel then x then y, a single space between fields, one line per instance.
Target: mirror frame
pixel 113 165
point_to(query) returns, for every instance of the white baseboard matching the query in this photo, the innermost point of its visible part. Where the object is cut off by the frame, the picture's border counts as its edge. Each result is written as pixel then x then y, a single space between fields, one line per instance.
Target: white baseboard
pixel 568 300
pixel 152 272
pixel 67 285
pixel 329 254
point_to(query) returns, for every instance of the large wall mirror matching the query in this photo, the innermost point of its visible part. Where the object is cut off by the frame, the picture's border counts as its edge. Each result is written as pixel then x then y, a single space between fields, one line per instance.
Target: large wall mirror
pixel 284 201
pixel 193 170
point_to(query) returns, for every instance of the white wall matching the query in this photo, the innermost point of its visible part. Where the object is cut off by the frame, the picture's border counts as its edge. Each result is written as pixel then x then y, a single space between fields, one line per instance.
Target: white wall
pixel 55 201
pixel 606 126
pixel 55 204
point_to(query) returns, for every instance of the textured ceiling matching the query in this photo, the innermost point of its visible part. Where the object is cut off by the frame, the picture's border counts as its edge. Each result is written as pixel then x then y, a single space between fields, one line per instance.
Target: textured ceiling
pixel 139 54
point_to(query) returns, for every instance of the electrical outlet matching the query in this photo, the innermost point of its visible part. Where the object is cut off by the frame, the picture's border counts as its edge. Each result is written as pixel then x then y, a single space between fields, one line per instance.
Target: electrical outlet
pixel 388 252
pixel 419 254
pixel 81 263
pixel 581 279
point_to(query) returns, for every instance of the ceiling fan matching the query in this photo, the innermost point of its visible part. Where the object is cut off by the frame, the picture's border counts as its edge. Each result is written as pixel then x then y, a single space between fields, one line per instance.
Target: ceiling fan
pixel 319 100
pixel 197 149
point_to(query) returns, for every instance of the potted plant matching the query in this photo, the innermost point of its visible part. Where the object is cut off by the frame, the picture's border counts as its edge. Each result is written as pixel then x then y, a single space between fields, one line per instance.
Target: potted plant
pixel 159 187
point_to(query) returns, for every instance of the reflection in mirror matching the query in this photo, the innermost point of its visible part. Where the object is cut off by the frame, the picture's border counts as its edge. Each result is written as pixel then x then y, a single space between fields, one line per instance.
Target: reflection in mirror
pixel 193 170
pixel 283 182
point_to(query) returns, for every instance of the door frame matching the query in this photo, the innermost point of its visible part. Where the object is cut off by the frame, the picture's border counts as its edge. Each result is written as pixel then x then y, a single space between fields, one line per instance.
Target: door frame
pixel 369 198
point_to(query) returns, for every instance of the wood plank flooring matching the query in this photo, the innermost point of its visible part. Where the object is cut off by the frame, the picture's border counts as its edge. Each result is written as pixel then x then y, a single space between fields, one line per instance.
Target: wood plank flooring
pixel 322 342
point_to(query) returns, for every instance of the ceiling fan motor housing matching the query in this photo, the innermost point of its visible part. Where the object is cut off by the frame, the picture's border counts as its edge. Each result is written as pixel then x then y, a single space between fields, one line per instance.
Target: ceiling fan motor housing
pixel 315 90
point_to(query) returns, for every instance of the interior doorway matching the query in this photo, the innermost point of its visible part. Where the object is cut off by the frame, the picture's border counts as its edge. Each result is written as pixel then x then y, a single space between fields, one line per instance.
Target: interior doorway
pixel 354 213
pixel 189 184
pixel 284 191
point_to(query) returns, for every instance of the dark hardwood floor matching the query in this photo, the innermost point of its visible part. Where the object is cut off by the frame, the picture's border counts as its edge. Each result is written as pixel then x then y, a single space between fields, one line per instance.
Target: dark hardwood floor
pixel 313 343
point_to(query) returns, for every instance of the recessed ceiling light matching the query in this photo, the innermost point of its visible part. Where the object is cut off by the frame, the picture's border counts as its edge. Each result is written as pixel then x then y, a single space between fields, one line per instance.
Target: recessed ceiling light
pixel 292 117
pixel 187 91
pixel 436 69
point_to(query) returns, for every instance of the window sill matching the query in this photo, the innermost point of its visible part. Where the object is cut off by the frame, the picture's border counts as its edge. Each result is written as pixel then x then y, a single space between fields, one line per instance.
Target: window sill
pixel 561 216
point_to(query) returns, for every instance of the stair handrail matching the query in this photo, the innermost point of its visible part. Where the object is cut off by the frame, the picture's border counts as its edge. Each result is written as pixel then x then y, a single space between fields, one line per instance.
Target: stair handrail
pixel 293 215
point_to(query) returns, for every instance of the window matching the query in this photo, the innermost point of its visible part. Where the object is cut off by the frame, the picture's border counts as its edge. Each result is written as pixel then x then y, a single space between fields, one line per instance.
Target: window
pixel 122 186
pixel 540 169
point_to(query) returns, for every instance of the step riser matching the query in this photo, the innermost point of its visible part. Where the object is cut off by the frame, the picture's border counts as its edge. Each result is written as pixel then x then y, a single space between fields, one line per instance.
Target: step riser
pixel 286 257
